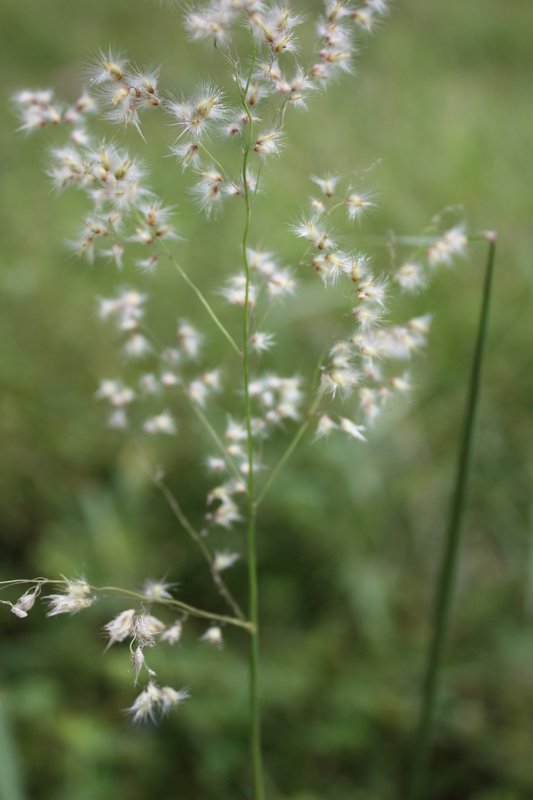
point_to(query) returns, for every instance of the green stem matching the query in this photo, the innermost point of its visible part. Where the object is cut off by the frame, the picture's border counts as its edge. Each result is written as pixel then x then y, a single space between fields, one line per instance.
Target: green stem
pixel 193 533
pixel 289 451
pixel 212 157
pixel 276 300
pixel 194 612
pixel 419 764
pixel 253 611
pixel 201 298
pixel 215 437
pixel 190 610
pixel 303 427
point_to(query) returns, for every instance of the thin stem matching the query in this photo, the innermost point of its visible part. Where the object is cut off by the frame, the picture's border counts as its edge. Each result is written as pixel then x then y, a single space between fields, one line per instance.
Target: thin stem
pixel 230 61
pixel 333 208
pixel 152 334
pixel 289 451
pixel 194 612
pixel 253 611
pixel 190 610
pixel 257 182
pixel 303 427
pixel 201 298
pixel 276 300
pixel 193 533
pixel 316 373
pixel 215 437
pixel 211 156
pixel 449 562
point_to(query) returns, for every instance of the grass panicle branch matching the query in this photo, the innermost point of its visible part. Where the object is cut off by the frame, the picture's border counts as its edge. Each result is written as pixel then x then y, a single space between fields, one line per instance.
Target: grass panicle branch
pixel 120 592
pixel 227 335
pixel 253 609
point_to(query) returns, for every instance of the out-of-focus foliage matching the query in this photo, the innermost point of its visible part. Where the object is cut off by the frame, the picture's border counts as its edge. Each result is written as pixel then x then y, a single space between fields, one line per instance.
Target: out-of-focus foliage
pixel 350 539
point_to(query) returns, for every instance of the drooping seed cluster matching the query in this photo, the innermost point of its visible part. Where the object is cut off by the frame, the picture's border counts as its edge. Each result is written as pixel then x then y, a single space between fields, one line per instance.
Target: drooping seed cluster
pixel 138 626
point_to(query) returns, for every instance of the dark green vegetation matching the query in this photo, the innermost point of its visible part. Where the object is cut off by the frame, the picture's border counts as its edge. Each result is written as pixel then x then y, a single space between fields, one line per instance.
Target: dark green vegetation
pixel 350 538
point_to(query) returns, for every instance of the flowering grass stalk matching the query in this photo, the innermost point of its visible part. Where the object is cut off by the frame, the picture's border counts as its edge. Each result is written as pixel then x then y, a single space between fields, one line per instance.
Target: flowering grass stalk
pixel 253 600
pixel 77 595
pixel 356 375
pixel 450 557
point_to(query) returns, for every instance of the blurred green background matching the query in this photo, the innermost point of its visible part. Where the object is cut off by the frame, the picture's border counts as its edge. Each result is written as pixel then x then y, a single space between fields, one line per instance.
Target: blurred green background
pixel 350 538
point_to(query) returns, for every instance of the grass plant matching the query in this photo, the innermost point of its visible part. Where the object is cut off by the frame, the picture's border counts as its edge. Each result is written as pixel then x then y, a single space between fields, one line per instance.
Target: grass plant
pixel 307 326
